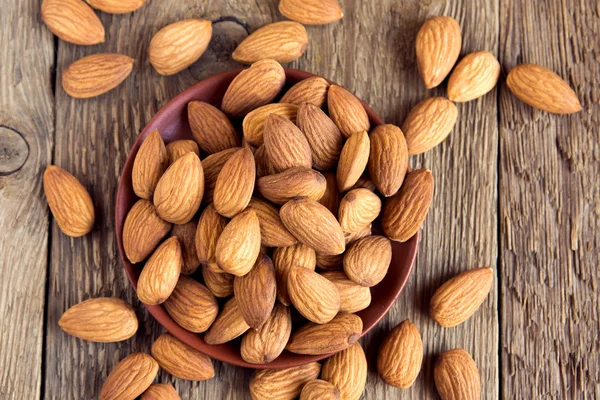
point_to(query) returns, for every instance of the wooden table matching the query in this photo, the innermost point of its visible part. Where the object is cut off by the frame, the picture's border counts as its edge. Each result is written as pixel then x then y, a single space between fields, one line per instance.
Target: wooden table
pixel 516 189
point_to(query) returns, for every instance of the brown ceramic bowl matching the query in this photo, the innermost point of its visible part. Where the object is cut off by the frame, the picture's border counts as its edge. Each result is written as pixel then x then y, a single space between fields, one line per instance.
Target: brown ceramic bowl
pixel 172 123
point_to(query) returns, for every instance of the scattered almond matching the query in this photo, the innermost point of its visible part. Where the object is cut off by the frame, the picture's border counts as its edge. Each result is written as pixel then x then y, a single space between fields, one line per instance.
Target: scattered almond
pixel 438 46
pixel 239 244
pixel 347 370
pixel 267 343
pixel 284 258
pixel 96 74
pixel 229 325
pixel 318 389
pixel 475 75
pixel 338 334
pixel 282 384
pixel 254 123
pixel 116 6
pixel 401 355
pixel 282 41
pixel 220 284
pixel 293 182
pixel 353 297
pixel 181 360
pixel 428 124
pixel 311 12
pixel 346 111
pixel 211 128
pixel 255 292
pixel 188 297
pixel 160 391
pixel 179 148
pixel 150 163
pixel 324 137
pixel 358 208
pixel 285 144
pixel 314 296
pixel 73 21
pixel 235 184
pixel 311 90
pixel 456 376
pixel 130 377
pixel 388 158
pixel 161 272
pixel 143 230
pixel 272 231
pixel 353 160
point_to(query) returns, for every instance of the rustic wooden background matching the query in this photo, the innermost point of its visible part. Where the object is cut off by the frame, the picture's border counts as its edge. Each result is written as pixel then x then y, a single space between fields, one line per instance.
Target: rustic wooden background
pixel 516 189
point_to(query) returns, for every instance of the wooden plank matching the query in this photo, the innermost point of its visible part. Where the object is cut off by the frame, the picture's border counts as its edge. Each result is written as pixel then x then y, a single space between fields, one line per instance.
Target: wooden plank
pixel 26 134
pixel 550 207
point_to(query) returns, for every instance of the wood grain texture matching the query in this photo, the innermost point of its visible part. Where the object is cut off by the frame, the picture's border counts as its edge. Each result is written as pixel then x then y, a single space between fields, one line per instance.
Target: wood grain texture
pixel 26 135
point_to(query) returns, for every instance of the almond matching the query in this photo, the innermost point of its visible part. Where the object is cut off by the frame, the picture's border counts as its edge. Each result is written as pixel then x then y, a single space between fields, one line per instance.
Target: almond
pixel 73 21
pixel 130 377
pixel 235 183
pixel 314 225
pixel 210 227
pixel 353 297
pixel 161 272
pixel 324 137
pixel 339 334
pixel 541 88
pixel 475 75
pixel 331 198
pixel 272 231
pixel 150 163
pixel 311 12
pixel 181 360
pixel 353 160
pixel 69 201
pixel 311 90
pixel 212 166
pixel 282 41
pixel 346 111
pixel 352 237
pixel 180 148
pixel 179 191
pixel 282 384
pixel 254 123
pixel 160 391
pixel 267 343
pixel 294 182
pixel 365 182
pixel 284 258
pixel 458 299
pixel 330 262
pixel 104 319
pixel 220 284
pixel 388 158
pixel 404 213
pixel 143 230
pixel 178 45
pixel 186 234
pixel 188 297
pixel 438 46
pixel 253 87
pixel 229 325
pixel 428 124
pixel 263 165
pixel 358 208
pixel 401 355
pixel 211 128
pixel 285 144
pixel 347 370
pixel 367 260
pixel 315 297
pixel 239 244
pixel 319 389
pixel 116 6
pixel 456 376
pixel 255 292
pixel 94 75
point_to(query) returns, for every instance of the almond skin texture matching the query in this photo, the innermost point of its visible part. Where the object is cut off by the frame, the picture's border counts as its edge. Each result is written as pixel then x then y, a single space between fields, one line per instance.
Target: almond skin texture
pixel 311 90
pixel 365 182
pixel 69 201
pixel 177 46
pixel 388 159
pixel 367 260
pixel 541 88
pixel 229 325
pixel 253 87
pixel 181 360
pixel 404 213
pixel 331 198
pixel 185 302
pixel 458 299
pixel 73 21
pixel 285 144
pixel 284 258
pixel 143 230
pixel 161 272
pixel 319 389
pixel 456 376
pixel 347 370
pixel 186 234
pixel 438 46
pixel 352 237
pixel 428 124
pixel 210 227
pixel 324 137
pixel 314 225
pixel 212 166
pixel 314 296
pixel 311 12
pixel 353 296
pixel 346 111
pixel 294 182
pixel 149 165
pixel 330 262
pixel 254 123
pixel 474 76
pixel 211 128
pixel 130 377
pixel 235 184
pixel 401 355
pixel 160 391
pixel 220 284
pixel 104 320
pixel 282 41
pixel 338 334
pixel 272 231
pixel 179 191
pixel 282 384
pixel 255 292
pixel 358 208
pixel 353 160
pixel 239 244
pixel 116 6
pixel 94 75
pixel 266 344
pixel 263 165
pixel 180 148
